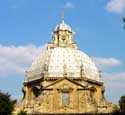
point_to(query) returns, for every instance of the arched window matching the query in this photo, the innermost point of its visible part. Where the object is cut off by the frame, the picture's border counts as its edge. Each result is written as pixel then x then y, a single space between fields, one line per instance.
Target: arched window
pixel 36 91
pixel 65 98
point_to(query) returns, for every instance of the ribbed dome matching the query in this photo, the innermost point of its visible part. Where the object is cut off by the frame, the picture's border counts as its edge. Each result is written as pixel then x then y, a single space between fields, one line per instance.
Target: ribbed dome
pixel 58 60
pixel 62 57
pixel 63 26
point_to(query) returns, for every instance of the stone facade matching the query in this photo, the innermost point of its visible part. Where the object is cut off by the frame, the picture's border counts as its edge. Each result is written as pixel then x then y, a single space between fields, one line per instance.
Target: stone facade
pixel 82 98
pixel 69 84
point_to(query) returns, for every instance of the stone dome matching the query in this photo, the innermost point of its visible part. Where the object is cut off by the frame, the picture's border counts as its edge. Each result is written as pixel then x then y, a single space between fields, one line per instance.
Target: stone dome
pixel 62 57
pixel 55 62
pixel 63 80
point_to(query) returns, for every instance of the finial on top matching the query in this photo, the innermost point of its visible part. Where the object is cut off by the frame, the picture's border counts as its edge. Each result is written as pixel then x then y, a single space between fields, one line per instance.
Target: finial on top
pixel 62 16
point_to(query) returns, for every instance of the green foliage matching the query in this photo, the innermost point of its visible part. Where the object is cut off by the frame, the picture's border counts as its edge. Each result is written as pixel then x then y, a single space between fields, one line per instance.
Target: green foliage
pixel 123 19
pixel 6 104
pixel 22 113
pixel 124 26
pixel 116 108
pixel 122 103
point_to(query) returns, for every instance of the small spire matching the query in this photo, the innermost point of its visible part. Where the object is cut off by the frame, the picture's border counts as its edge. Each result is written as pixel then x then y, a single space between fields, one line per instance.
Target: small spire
pixel 62 16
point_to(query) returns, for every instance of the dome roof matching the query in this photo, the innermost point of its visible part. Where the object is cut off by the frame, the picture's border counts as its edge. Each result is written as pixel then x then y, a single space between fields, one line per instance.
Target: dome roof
pixel 62 57
pixel 58 60
pixel 63 26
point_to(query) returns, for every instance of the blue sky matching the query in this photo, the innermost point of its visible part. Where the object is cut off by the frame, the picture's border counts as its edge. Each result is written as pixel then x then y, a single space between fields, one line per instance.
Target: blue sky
pixel 26 25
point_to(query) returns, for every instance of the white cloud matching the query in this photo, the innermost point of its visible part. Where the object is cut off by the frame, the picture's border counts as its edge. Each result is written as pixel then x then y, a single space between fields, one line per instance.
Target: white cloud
pixel 69 5
pixel 106 62
pixel 114 80
pixel 115 85
pixel 115 76
pixel 16 59
pixel 17 97
pixel 116 6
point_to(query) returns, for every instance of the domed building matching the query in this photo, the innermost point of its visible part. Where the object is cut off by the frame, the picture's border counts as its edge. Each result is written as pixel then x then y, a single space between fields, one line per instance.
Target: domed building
pixel 63 80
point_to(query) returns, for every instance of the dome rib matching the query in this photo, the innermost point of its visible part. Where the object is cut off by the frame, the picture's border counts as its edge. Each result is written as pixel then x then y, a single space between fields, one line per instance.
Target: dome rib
pixel 54 60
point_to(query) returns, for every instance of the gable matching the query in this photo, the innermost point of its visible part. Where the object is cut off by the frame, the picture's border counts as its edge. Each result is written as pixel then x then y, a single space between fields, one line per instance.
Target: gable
pixel 64 83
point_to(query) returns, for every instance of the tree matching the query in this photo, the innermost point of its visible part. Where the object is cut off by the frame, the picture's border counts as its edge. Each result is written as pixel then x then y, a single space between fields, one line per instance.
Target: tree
pixel 22 113
pixel 6 104
pixel 123 19
pixel 122 104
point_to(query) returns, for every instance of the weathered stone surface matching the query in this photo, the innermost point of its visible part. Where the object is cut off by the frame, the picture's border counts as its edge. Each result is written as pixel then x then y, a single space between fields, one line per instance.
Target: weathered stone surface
pixel 82 99
pixel 63 80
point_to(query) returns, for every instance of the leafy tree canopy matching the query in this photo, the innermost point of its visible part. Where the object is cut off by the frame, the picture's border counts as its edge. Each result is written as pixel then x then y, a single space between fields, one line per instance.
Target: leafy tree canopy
pixel 123 19
pixel 22 113
pixel 6 104
pixel 122 104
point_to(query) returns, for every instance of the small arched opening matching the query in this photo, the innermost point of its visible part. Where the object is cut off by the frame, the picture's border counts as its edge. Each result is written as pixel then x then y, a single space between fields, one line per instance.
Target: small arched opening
pixel 36 91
